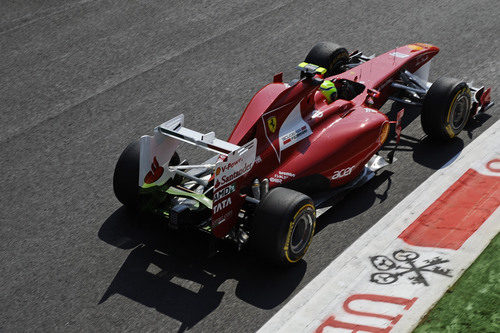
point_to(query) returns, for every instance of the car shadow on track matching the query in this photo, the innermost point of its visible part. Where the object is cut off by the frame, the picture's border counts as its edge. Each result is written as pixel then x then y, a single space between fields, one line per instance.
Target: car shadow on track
pixel 174 272
pixel 427 152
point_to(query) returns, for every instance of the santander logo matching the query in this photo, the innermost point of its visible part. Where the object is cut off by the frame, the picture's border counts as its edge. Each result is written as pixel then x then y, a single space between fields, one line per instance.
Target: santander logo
pixel 155 173
pixel 238 163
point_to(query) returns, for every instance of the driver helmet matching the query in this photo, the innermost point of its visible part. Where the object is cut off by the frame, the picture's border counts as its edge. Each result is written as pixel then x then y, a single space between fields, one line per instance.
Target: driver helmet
pixel 328 90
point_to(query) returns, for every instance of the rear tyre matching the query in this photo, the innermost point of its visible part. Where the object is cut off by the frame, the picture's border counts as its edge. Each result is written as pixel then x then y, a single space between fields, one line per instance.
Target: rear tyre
pixel 330 56
pixel 446 109
pixel 284 224
pixel 126 175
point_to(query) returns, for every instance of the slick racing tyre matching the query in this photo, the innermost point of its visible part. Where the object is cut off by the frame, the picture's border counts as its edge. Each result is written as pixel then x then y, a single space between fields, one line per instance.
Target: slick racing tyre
pixel 283 226
pixel 446 109
pixel 126 175
pixel 330 56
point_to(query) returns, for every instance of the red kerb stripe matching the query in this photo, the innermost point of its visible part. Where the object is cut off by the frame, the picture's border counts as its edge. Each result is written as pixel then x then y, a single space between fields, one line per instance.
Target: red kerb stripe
pixel 457 213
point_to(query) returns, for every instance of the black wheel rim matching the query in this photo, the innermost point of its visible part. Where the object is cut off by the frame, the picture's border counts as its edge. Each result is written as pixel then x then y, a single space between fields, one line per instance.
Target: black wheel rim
pixel 337 67
pixel 302 230
pixel 459 112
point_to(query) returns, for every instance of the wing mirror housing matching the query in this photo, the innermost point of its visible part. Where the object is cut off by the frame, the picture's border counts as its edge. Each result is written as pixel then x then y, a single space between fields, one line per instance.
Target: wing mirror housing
pixel 372 95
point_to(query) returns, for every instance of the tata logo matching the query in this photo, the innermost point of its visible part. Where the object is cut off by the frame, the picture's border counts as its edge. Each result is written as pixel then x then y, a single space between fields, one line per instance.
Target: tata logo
pixel 343 173
pixel 223 204
pixel 271 123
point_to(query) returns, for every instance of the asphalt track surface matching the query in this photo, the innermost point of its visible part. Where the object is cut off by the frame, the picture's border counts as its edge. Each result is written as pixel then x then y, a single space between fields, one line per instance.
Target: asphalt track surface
pixel 81 79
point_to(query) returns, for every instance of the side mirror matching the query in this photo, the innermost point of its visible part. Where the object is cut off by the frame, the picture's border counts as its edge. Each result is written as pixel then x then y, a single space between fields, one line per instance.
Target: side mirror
pixel 372 95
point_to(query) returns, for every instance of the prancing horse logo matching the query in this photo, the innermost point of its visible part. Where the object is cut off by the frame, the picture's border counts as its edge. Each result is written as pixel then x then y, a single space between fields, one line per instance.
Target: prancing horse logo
pixel 271 123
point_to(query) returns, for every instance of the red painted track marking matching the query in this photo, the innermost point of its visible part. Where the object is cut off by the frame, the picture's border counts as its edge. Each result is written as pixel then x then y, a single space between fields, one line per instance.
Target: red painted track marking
pixel 457 213
pixel 354 327
pixel 493 165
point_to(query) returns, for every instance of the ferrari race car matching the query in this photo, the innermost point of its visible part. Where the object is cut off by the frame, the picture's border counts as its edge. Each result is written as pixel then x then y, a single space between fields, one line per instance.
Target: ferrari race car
pixel 292 149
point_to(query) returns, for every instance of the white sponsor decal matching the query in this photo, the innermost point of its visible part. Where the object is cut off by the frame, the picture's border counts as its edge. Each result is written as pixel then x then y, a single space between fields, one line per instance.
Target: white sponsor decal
pixel 370 110
pixel 222 218
pixel 342 173
pixel 292 137
pixel 237 164
pixel 293 129
pixel 399 55
pixel 223 204
pixel 280 176
pixel 317 114
pixel 235 174
pixel 224 192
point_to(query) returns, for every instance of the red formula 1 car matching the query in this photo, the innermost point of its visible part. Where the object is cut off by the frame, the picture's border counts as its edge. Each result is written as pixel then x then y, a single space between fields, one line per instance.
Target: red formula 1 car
pixel 293 148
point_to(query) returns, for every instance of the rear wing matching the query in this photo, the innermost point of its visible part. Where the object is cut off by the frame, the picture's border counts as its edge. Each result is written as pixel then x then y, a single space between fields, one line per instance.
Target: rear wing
pixel 157 150
pixel 174 128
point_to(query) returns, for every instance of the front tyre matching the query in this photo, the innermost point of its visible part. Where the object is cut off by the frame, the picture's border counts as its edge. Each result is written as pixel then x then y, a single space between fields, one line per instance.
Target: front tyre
pixel 283 226
pixel 446 109
pixel 330 56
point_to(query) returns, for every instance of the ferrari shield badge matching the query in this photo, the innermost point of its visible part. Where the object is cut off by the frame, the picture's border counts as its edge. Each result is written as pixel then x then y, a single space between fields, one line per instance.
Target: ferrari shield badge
pixel 271 123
